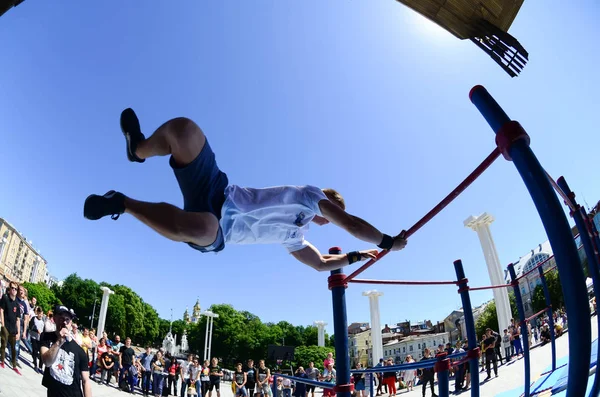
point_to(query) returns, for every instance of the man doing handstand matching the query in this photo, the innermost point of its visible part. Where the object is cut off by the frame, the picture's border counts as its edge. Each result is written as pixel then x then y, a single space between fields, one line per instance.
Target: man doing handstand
pixel 216 213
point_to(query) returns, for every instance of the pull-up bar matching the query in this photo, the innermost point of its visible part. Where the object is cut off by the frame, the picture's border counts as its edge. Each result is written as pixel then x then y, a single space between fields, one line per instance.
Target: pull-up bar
pixel 436 210
pixel 401 282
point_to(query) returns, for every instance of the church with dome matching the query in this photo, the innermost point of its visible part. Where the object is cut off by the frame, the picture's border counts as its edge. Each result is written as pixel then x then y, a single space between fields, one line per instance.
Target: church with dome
pixel 194 318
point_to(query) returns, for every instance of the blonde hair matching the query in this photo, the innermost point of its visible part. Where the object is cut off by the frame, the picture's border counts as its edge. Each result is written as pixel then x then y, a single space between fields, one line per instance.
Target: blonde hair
pixel 335 196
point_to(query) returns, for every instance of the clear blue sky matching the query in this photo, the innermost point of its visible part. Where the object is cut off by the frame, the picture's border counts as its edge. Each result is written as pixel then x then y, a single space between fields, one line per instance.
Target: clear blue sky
pixel 366 97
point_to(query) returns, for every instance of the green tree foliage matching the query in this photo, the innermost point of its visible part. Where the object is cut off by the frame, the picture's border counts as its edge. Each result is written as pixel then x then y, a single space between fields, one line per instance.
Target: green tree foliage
pixel 237 335
pixel 45 297
pixel 305 354
pixel 178 327
pixel 134 313
pixel 163 328
pixel 489 317
pixel 115 317
pixel 79 294
pixel 151 324
pixel 538 302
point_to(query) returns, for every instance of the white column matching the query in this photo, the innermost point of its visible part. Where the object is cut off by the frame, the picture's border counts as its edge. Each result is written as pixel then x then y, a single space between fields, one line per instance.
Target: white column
pixel 210 316
pixel 321 325
pixel 376 342
pixel 103 308
pixel 481 225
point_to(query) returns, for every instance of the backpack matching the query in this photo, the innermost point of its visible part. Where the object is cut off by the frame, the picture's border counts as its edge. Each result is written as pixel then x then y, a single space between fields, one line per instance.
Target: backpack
pixel 124 386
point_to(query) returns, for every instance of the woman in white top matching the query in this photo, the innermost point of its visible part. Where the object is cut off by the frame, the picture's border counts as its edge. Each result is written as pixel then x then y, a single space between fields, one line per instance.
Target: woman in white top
pixel 409 375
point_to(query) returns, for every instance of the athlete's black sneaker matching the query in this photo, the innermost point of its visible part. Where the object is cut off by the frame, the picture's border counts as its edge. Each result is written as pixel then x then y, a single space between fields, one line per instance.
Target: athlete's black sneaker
pixel 112 203
pixel 130 125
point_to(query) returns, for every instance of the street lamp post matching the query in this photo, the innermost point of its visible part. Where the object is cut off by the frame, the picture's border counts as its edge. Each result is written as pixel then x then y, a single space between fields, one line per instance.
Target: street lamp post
pixel 210 316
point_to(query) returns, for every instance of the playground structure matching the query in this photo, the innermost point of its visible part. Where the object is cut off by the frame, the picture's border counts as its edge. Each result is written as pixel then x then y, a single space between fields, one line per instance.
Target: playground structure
pixel 513 143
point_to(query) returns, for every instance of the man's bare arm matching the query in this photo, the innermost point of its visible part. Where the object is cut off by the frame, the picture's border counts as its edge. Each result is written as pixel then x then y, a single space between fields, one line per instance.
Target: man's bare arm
pixel 87 385
pixel 49 355
pixel 356 226
pixel 311 256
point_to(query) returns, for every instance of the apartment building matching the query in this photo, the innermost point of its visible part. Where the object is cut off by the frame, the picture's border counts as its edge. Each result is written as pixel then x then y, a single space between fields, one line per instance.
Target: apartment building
pixel 19 260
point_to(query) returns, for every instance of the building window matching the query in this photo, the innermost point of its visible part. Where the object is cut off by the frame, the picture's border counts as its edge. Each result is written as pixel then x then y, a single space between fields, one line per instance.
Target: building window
pixel 523 291
pixel 410 348
pixel 403 349
pixel 419 346
pixel 534 261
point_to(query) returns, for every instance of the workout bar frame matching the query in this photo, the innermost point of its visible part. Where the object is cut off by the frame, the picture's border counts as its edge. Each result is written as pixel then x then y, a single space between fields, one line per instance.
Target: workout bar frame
pixel 515 144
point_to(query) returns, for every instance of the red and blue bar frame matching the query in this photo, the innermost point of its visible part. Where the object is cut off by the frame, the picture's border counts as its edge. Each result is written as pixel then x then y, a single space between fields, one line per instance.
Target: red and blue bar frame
pixel 513 143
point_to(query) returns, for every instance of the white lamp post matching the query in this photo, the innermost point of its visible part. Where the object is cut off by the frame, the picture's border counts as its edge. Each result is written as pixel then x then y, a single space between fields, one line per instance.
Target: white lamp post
pixel 210 316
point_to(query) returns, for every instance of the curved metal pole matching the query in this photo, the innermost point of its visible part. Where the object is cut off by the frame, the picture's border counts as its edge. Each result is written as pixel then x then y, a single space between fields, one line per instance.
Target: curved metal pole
pixel 513 137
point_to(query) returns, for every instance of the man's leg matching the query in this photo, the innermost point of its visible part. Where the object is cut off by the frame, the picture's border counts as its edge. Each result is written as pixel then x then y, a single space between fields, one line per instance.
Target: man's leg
pixel 183 140
pixel 499 352
pixel 3 339
pixel 12 341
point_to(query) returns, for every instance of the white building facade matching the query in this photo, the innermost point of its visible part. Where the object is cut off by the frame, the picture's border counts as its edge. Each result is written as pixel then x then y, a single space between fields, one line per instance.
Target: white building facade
pixel 414 345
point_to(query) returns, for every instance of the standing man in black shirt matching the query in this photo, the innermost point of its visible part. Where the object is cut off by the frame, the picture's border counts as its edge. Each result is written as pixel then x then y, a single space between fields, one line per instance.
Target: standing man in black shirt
pixel 67 373
pixel 10 320
pixel 250 377
pixel 126 360
pixel 489 344
pixel 427 375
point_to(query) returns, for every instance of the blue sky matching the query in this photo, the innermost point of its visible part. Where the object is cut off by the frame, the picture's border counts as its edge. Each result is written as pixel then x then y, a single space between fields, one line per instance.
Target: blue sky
pixel 366 97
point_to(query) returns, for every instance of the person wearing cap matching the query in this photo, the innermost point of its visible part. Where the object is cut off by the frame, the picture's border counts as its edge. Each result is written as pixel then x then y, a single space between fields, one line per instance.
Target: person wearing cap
pixel 67 371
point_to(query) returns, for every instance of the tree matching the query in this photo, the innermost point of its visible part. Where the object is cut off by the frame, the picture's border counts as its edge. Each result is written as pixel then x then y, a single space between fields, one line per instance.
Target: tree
pixel 134 313
pixel 163 328
pixel 46 299
pixel 538 302
pixel 305 354
pixel 151 324
pixel 487 319
pixel 178 327
pixel 79 295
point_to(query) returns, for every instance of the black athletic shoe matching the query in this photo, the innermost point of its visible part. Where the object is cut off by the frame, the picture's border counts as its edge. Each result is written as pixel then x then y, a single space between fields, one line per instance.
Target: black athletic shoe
pixel 130 125
pixel 96 207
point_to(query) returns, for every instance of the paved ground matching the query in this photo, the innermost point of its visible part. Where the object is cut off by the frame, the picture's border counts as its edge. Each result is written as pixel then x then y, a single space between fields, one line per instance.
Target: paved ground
pixel 510 376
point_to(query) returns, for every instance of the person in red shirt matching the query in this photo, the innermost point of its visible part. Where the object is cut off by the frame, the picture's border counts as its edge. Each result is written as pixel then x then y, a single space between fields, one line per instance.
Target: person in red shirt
pixel 328 360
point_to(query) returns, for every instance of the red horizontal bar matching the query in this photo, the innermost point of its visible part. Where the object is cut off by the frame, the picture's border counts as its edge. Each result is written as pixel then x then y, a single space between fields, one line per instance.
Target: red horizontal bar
pixel 489 287
pixel 456 192
pixel 437 209
pixel 401 282
pixel 537 314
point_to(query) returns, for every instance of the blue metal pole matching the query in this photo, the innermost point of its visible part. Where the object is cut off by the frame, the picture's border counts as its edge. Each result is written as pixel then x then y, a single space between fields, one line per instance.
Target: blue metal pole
pixel 443 375
pixel 340 329
pixel 371 384
pixel 469 325
pixel 595 237
pixel 580 217
pixel 550 318
pixel 274 386
pixel 559 233
pixel 524 342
